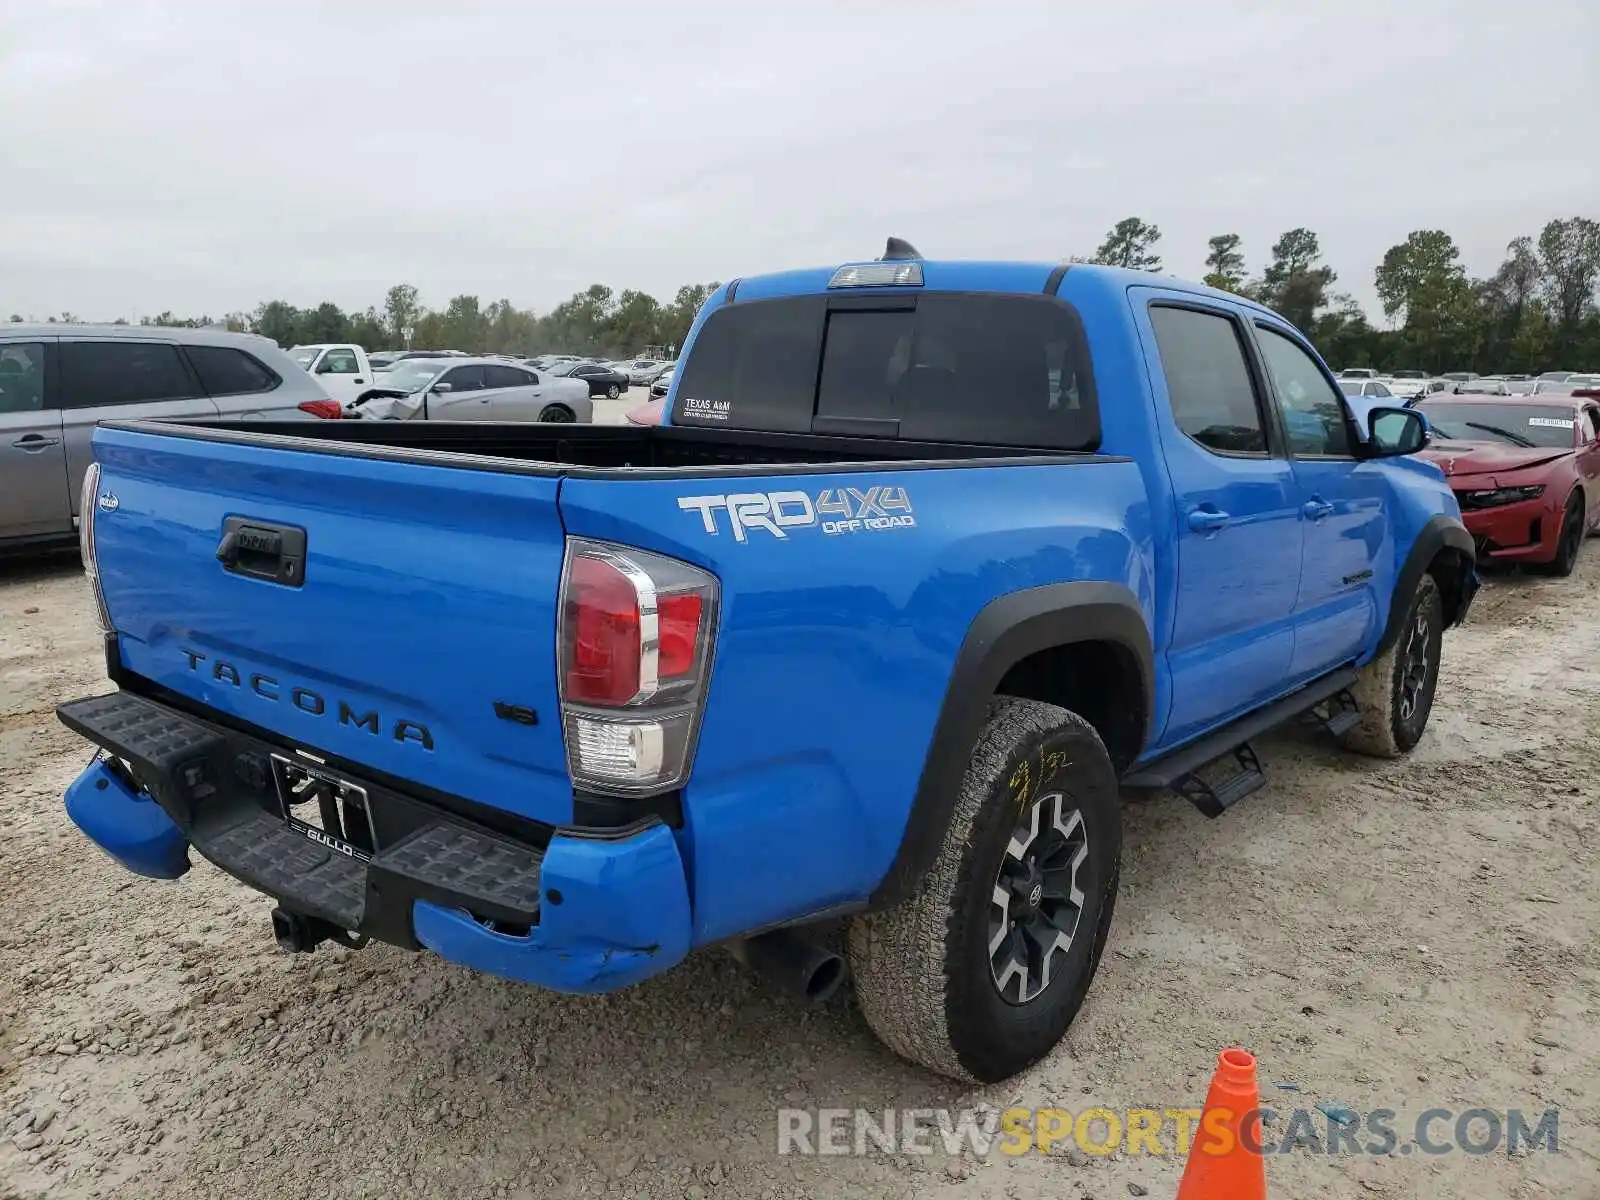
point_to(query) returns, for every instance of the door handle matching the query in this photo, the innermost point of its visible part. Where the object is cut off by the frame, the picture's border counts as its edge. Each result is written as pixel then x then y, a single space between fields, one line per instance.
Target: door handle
pixel 1207 520
pixel 1317 509
pixel 34 442
pixel 358 381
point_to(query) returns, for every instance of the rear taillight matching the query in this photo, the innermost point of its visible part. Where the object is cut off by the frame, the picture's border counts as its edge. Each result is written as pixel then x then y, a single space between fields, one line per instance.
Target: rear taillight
pixel 327 409
pixel 88 501
pixel 635 649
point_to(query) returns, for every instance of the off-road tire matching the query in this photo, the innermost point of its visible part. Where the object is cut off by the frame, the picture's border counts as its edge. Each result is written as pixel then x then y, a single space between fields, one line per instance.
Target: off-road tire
pixel 1389 727
pixel 922 970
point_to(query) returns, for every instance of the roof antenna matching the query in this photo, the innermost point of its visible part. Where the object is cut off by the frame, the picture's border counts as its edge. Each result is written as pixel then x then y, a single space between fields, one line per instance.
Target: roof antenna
pixel 898 249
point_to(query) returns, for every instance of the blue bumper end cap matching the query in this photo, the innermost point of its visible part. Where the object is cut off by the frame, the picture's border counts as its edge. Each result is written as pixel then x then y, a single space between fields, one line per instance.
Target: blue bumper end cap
pixel 612 912
pixel 128 825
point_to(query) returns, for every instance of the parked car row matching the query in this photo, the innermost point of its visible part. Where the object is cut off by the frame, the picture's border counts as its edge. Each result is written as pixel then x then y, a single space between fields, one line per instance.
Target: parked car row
pixel 58 381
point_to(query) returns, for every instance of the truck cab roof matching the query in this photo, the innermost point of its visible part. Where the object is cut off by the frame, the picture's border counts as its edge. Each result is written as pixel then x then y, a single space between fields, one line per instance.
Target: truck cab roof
pixel 998 276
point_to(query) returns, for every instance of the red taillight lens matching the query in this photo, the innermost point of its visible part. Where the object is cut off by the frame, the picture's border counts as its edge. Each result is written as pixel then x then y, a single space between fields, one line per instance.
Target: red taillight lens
pixel 603 615
pixel 635 654
pixel 327 409
pixel 680 633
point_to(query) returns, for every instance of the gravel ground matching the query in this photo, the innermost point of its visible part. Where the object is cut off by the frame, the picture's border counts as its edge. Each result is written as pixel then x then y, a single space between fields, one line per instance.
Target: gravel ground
pixel 1405 935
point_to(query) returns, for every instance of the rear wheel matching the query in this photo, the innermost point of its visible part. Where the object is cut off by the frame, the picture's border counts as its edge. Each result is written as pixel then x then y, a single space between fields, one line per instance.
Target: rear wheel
pixel 613 392
pixel 978 975
pixel 557 413
pixel 1572 533
pixel 1394 692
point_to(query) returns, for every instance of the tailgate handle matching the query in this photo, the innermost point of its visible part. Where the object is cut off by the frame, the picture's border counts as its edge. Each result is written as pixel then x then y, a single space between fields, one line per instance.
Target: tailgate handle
pixel 263 550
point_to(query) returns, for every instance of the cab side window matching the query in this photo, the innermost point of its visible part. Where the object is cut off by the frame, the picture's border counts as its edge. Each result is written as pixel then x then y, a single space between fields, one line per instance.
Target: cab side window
pixel 1312 407
pixel 338 362
pixel 1208 381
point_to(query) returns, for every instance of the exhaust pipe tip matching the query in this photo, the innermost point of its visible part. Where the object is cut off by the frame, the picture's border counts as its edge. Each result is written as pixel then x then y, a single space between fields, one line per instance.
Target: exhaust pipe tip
pixel 825 978
pixel 795 965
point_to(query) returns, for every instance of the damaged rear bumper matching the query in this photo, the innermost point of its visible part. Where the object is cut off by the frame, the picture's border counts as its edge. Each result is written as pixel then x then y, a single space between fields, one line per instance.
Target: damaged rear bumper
pixel 573 910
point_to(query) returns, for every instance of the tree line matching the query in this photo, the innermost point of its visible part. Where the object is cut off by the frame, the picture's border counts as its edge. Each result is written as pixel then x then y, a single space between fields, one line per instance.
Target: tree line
pixel 595 321
pixel 1537 311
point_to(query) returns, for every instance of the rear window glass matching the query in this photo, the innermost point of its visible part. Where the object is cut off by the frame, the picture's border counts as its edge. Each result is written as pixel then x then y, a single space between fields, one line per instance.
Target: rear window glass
pixel 225 371
pixel 998 370
pixel 754 366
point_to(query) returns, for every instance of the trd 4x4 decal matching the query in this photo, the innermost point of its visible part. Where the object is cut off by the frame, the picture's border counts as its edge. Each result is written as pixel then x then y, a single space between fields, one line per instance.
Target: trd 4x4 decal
pixel 834 510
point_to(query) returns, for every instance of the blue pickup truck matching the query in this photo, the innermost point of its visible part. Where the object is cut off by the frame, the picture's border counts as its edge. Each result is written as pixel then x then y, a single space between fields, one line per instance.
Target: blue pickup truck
pixel 928 561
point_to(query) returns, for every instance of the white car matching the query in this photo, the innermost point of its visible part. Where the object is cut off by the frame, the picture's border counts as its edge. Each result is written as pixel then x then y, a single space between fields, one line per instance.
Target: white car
pixel 472 389
pixel 1405 389
pixel 641 371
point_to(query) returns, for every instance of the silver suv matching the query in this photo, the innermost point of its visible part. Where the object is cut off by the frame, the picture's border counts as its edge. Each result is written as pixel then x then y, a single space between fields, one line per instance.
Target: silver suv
pixel 57 381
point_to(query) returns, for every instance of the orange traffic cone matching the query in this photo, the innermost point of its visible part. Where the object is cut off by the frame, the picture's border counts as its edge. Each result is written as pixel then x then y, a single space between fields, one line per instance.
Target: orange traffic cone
pixel 1225 1161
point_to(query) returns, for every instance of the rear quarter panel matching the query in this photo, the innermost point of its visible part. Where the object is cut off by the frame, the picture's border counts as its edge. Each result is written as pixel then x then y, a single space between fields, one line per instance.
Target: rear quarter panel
pixel 834 652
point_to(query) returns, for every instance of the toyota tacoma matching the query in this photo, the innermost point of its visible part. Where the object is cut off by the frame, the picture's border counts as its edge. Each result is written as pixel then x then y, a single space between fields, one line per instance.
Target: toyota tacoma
pixel 925 564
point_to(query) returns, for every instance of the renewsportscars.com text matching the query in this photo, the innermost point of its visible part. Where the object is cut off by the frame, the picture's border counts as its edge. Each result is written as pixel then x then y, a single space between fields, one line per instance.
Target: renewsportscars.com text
pixel 1162 1132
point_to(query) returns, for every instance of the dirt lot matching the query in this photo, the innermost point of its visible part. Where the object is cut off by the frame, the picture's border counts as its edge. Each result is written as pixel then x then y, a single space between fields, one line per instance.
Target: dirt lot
pixel 1403 935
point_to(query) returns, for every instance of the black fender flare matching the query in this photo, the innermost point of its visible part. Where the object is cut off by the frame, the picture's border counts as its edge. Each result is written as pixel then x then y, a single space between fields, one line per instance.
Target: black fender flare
pixel 1439 533
pixel 1006 631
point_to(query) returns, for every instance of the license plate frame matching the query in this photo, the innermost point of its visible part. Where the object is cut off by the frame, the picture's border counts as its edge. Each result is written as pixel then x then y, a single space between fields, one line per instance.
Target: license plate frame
pixel 306 779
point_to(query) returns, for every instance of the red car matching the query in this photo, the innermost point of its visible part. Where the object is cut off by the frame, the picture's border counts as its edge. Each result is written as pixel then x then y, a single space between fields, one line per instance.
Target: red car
pixel 1526 473
pixel 649 413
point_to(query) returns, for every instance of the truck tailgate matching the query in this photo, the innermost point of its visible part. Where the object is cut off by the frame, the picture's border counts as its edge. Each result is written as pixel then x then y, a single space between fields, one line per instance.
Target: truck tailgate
pixel 424 610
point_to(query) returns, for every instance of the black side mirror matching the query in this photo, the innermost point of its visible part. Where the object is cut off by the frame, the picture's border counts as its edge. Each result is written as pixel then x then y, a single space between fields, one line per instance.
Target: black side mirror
pixel 1395 431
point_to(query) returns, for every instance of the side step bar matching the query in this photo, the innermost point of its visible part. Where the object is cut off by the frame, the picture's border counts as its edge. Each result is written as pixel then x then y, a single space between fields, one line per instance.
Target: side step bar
pixel 1325 703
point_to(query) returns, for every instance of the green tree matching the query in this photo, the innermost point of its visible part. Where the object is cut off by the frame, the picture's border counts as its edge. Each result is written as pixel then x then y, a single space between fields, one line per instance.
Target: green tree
pixel 369 330
pixel 1515 327
pixel 1342 334
pixel 1569 256
pixel 278 320
pixel 324 323
pixel 1131 243
pixel 401 310
pixel 1423 279
pixel 1420 275
pixel 678 316
pixel 634 324
pixel 464 326
pixel 1293 283
pixel 1225 263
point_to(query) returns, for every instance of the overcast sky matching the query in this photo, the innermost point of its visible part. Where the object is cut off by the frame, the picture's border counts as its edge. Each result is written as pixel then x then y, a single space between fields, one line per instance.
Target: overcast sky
pixel 202 157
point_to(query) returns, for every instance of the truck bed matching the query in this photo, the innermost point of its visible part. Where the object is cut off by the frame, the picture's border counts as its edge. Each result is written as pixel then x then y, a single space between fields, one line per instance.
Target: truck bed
pixel 603 451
